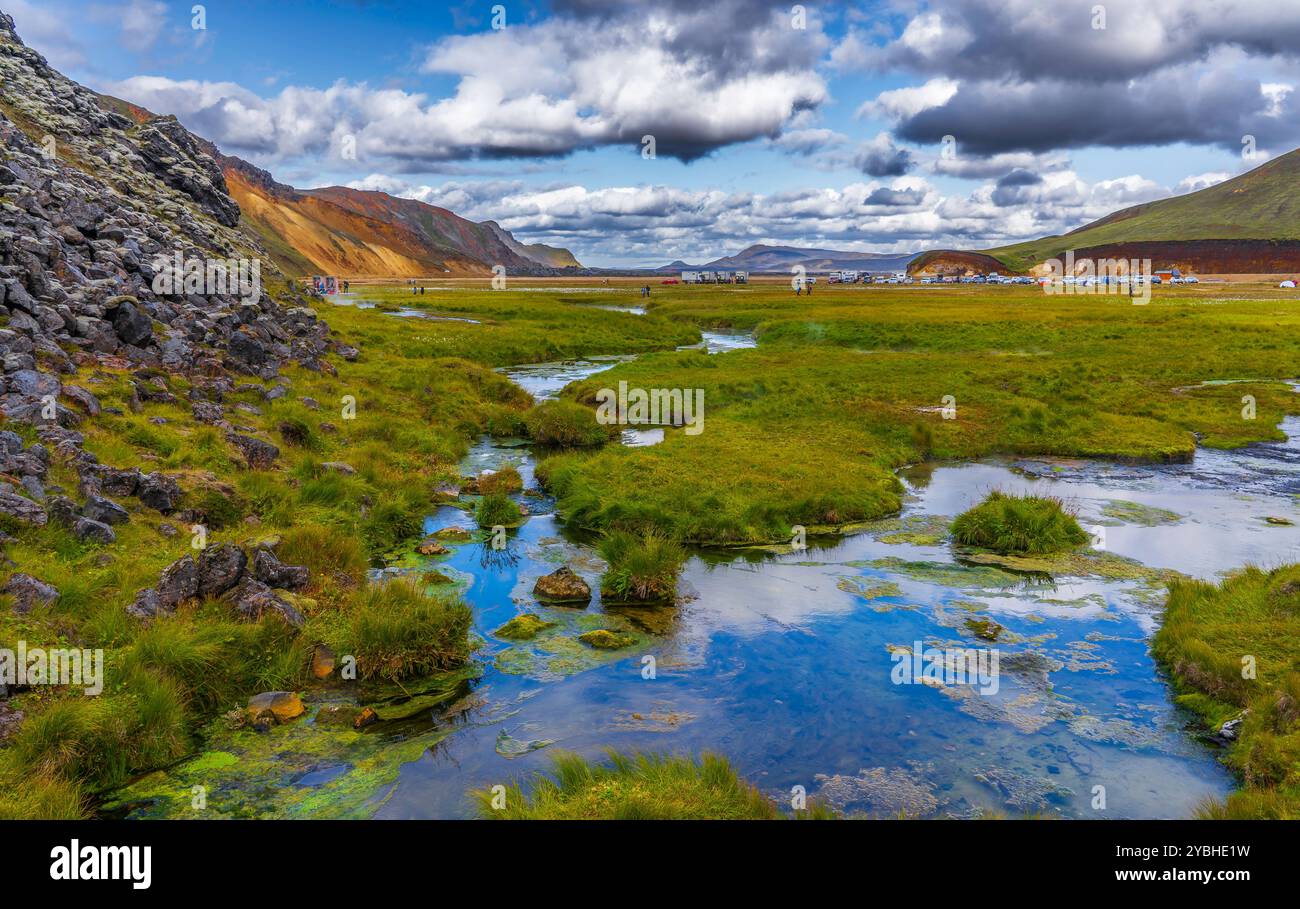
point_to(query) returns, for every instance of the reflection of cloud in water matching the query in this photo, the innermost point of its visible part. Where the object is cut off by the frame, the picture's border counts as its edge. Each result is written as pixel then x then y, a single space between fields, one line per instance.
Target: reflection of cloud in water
pixel 744 598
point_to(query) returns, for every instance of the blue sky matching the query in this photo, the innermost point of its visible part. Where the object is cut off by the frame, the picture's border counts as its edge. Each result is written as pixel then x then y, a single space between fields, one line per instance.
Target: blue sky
pixel 822 128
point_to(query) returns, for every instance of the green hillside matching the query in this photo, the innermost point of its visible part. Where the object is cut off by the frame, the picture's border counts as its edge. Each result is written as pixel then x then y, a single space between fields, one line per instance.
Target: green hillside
pixel 1260 205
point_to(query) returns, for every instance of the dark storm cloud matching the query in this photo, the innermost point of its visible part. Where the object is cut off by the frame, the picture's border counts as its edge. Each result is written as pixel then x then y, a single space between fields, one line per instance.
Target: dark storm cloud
pixel 1177 105
pixel 1072 39
pixel 1033 76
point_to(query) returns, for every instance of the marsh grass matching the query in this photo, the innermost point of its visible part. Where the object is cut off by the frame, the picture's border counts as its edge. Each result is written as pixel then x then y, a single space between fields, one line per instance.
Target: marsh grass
pixel 502 481
pixel 564 424
pixel 1211 636
pixel 325 551
pixel 642 568
pixel 396 630
pixel 1019 525
pixel 497 509
pixel 636 787
pixel 807 429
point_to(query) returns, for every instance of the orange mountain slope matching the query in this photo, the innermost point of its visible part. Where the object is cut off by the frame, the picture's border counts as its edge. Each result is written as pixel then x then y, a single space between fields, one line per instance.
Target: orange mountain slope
pixel 357 233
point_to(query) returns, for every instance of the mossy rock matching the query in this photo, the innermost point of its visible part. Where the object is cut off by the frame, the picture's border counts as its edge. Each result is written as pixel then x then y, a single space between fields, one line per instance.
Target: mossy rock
pixel 985 629
pixel 523 627
pixel 454 534
pixel 604 639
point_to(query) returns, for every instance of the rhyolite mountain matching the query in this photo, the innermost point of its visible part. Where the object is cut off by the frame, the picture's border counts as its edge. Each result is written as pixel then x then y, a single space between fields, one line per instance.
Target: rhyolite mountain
pixel 780 259
pixel 1249 224
pixel 366 233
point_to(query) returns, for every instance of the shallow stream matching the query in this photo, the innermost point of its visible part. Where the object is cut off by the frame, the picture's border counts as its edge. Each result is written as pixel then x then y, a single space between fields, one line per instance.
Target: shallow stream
pixel 781 658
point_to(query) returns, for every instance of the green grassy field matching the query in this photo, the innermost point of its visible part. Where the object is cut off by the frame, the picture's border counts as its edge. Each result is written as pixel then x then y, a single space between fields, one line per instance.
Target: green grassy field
pixel 806 429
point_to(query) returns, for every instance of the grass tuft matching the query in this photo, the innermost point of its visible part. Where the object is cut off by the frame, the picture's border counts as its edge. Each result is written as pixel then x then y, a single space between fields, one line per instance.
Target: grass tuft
pixel 1019 525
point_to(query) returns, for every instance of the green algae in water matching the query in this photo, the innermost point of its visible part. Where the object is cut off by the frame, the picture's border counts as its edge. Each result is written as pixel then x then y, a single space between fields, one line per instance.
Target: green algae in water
pixel 869 588
pixel 558 650
pixel 1143 515
pixel 300 769
pixel 510 747
pixel 947 574
pixel 915 530
pixel 261 781
pixel 1079 564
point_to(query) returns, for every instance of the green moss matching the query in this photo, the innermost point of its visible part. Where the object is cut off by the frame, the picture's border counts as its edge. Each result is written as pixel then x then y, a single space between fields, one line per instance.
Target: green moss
pixel 604 639
pixel 523 627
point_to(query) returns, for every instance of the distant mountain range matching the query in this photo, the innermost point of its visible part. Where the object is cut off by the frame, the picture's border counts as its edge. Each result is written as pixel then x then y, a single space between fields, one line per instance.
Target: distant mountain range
pixel 1247 225
pixel 763 258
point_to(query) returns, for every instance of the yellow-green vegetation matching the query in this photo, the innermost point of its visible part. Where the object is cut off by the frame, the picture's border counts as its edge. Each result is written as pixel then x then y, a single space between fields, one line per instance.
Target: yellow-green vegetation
pixel 1234 651
pixel 636 787
pixel 806 429
pixel 1018 525
pixel 642 568
pixel 500 482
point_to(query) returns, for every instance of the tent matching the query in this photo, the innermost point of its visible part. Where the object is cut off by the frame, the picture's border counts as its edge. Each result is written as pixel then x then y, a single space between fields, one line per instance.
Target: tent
pixel 1287 284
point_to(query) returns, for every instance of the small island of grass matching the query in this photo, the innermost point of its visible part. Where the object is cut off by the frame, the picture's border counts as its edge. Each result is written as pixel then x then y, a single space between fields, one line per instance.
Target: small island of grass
pixel 1019 525
pixel 642 568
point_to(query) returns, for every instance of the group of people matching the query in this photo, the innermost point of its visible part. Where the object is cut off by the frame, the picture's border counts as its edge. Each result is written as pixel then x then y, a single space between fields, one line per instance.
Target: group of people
pixel 645 291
